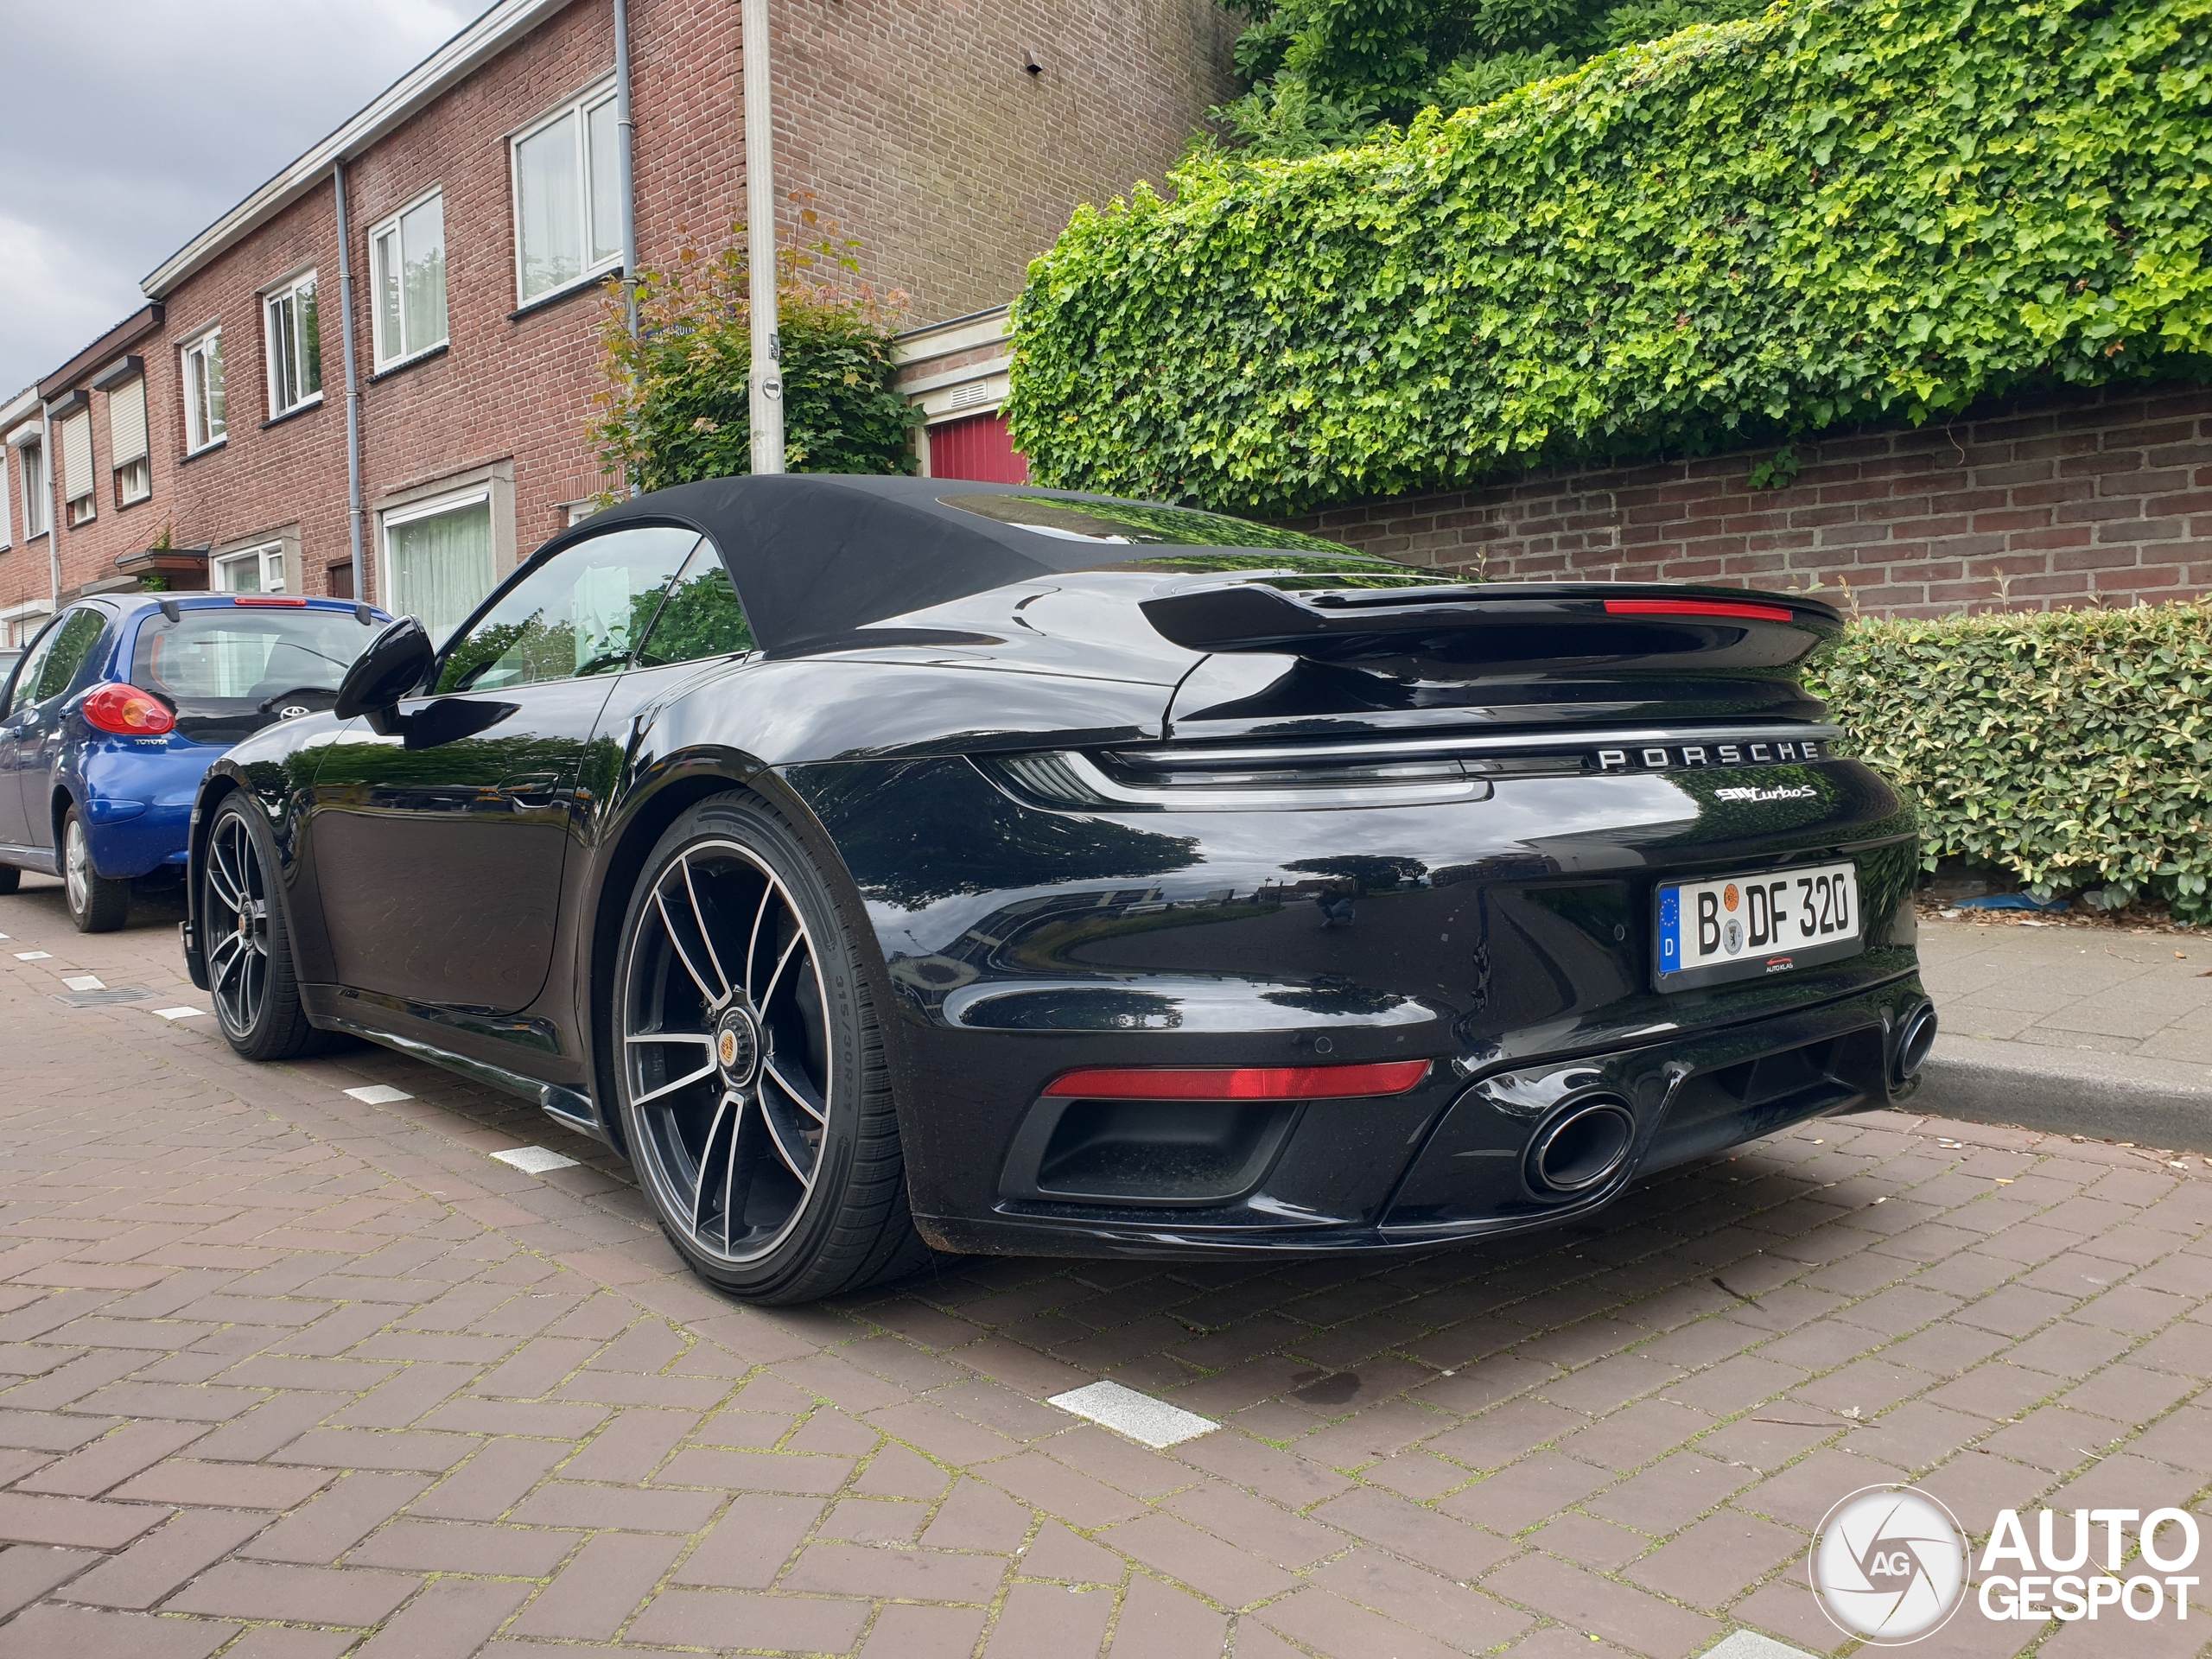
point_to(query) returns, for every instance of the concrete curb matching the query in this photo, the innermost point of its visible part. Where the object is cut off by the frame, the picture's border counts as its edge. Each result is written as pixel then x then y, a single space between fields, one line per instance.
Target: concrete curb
pixel 2069 1091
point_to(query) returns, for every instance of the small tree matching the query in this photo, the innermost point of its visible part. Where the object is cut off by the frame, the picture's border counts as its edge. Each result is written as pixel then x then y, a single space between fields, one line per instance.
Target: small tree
pixel 676 408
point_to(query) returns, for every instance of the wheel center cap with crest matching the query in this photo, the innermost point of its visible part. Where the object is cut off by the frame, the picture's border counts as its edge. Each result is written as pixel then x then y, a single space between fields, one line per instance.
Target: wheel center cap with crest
pixel 737 1047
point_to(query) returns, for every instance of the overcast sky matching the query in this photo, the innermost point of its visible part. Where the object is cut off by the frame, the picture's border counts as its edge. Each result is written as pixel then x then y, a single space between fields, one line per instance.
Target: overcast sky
pixel 133 124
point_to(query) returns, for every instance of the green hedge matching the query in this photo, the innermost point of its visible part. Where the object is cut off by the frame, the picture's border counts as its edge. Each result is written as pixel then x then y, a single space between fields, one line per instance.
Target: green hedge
pixel 1832 212
pixel 2073 748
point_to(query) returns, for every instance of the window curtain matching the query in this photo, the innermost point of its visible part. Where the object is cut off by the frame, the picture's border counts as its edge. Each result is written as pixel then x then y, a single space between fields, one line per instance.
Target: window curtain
pixel 442 566
pixel 552 236
pixel 423 248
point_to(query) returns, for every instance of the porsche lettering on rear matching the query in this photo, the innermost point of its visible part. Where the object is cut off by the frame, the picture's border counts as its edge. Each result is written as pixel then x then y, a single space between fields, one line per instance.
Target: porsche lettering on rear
pixel 1681 757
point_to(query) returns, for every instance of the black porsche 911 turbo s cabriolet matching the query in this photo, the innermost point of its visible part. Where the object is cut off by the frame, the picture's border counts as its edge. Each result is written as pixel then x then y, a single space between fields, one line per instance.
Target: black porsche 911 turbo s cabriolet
pixel 885 862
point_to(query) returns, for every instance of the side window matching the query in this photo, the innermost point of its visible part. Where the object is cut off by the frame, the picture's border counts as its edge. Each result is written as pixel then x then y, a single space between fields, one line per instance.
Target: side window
pixel 72 642
pixel 34 664
pixel 702 617
pixel 582 612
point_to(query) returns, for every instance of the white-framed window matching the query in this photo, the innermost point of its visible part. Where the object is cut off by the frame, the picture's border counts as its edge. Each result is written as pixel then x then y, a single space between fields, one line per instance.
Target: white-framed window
pixel 438 560
pixel 295 346
pixel 256 570
pixel 568 196
pixel 74 434
pixel 19 624
pixel 128 456
pixel 7 501
pixel 409 253
pixel 203 391
pixel 30 479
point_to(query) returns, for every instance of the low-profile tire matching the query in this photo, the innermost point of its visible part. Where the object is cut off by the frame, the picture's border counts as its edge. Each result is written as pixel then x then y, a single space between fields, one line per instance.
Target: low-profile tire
pixel 750 1064
pixel 10 878
pixel 249 949
pixel 96 904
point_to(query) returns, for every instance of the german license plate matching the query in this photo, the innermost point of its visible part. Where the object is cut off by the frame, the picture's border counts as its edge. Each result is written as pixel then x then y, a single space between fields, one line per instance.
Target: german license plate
pixel 1742 926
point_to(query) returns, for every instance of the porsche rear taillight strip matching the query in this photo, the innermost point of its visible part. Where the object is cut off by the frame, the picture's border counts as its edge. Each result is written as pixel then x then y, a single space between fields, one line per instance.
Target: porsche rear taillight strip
pixel 1733 610
pixel 1564 740
pixel 1241 1081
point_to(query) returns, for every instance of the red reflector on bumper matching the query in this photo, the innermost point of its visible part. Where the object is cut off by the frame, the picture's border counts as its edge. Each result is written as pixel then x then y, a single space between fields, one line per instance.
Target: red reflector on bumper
pixel 1698 607
pixel 1242 1081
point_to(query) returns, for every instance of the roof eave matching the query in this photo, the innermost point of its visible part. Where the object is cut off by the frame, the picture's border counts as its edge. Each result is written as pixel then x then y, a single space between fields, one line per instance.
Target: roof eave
pixel 486 38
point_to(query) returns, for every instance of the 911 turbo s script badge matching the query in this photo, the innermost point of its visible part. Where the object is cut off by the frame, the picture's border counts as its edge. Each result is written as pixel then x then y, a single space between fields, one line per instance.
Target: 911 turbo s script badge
pixel 1798 794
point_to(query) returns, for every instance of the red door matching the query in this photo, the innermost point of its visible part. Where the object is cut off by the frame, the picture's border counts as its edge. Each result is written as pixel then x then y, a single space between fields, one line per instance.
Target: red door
pixel 979 448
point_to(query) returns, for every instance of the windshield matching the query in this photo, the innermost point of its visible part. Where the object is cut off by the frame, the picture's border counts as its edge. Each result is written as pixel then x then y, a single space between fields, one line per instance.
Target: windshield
pixel 249 656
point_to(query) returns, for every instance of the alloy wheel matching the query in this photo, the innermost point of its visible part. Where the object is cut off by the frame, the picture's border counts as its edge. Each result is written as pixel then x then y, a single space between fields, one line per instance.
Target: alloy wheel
pixel 77 867
pixel 238 924
pixel 727 1051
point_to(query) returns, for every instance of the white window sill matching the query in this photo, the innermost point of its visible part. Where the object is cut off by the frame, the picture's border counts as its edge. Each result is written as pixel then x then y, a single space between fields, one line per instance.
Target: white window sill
pixel 408 362
pixel 300 408
pixel 205 449
pixel 591 278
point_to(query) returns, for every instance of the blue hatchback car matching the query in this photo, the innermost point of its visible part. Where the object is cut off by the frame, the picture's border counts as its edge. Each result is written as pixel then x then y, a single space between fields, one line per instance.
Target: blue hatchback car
pixel 117 708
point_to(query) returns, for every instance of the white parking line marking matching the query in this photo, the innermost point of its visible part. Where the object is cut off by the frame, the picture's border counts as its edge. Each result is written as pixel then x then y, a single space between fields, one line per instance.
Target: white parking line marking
pixel 379 1094
pixel 1137 1416
pixel 83 982
pixel 34 955
pixel 534 1161
pixel 179 1013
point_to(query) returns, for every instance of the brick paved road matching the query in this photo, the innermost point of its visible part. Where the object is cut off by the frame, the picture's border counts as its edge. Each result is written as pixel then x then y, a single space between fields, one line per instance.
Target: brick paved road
pixel 282 1373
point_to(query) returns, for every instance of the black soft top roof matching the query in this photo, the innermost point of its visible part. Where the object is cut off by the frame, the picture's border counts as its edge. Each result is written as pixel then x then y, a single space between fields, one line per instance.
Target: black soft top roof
pixel 815 556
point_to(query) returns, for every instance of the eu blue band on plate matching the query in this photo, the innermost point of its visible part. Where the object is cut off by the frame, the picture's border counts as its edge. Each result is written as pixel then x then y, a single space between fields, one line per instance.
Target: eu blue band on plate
pixel 1670 930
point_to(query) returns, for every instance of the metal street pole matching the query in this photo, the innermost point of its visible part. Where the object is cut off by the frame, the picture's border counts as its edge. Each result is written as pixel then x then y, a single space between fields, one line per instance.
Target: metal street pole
pixel 768 381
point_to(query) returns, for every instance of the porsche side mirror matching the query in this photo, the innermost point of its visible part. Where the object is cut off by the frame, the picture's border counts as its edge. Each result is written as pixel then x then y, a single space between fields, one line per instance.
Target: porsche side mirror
pixel 395 663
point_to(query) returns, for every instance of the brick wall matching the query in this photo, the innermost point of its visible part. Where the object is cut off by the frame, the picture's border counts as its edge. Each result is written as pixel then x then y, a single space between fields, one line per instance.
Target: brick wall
pixel 916 125
pixel 2037 504
pixel 925 136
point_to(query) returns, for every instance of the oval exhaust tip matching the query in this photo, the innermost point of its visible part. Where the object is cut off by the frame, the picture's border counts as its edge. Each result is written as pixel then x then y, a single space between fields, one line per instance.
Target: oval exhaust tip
pixel 1582 1147
pixel 1915 1037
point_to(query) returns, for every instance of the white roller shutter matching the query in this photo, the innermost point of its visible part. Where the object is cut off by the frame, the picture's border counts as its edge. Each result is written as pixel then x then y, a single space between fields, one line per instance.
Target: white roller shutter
pixel 76 456
pixel 126 422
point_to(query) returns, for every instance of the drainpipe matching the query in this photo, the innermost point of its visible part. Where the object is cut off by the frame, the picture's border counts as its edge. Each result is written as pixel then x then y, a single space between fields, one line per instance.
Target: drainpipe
pixel 767 399
pixel 352 385
pixel 625 131
pixel 53 518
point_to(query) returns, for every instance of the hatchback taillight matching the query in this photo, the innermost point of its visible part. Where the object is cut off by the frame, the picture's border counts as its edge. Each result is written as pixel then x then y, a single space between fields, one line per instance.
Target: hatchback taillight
pixel 128 712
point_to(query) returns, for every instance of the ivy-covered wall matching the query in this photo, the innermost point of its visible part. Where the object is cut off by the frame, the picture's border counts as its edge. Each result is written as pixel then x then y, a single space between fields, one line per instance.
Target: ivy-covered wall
pixel 1839 212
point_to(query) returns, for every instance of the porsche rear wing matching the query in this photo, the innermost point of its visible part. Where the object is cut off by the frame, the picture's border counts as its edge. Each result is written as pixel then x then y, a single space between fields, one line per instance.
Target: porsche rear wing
pixel 1284 664
pixel 1496 623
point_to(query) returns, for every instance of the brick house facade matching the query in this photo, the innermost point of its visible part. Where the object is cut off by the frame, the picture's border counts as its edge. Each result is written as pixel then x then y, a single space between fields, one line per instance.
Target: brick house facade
pixel 2033 503
pixel 953 141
